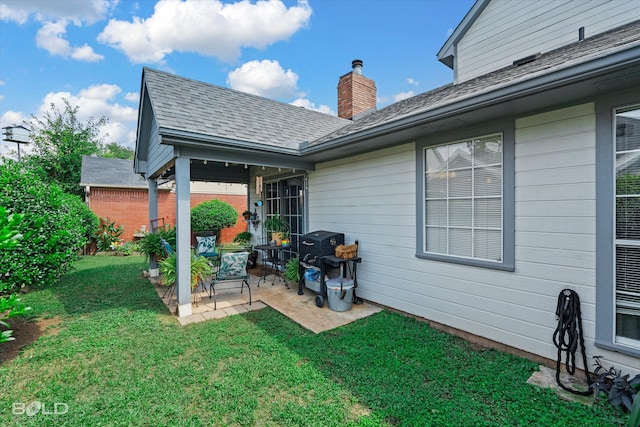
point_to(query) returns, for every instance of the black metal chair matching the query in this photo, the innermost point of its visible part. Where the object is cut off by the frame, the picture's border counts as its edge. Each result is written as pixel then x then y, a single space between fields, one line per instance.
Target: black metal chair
pixel 232 267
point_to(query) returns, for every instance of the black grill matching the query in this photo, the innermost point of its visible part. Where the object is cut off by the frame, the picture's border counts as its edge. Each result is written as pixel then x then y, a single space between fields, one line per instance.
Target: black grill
pixel 317 244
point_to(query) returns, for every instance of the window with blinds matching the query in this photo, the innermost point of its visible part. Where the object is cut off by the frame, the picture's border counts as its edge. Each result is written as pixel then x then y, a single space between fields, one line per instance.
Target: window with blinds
pixel 627 224
pixel 463 203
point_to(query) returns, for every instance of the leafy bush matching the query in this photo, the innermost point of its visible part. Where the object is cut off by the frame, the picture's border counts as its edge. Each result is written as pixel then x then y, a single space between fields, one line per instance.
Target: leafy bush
pixel 200 268
pixel 54 227
pixel 9 233
pixel 107 234
pixel 10 307
pixel 168 233
pixel 243 238
pixel 125 248
pixel 634 416
pixel 151 245
pixel 213 215
pixel 619 389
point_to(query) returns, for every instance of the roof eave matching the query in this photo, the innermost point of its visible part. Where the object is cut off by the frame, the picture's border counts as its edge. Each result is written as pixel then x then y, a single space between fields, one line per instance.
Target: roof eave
pixel 584 71
pixel 447 52
pixel 198 140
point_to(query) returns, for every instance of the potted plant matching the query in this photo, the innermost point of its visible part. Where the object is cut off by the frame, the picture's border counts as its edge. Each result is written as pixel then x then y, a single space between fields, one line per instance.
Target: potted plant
pixel 151 246
pixel 286 242
pixel 292 270
pixel 243 238
pixel 200 268
pixel 209 217
pixel 277 226
pixel 247 215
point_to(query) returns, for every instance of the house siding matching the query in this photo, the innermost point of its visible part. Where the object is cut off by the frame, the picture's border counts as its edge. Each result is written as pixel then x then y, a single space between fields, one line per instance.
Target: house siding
pixel 371 198
pixel 510 30
pixel 159 154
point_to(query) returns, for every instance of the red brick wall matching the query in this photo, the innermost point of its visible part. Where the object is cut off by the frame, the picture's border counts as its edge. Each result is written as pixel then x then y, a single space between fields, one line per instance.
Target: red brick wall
pixel 129 208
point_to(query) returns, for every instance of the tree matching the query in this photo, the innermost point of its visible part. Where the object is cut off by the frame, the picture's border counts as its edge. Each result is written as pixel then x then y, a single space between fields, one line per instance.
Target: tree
pixel 60 140
pixel 116 151
pixel 213 215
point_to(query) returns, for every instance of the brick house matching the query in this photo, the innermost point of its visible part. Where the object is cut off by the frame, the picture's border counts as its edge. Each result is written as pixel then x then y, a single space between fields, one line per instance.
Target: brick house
pixel 113 190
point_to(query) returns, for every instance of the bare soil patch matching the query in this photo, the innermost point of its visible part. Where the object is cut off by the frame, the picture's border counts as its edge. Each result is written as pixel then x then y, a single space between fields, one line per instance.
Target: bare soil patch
pixel 25 332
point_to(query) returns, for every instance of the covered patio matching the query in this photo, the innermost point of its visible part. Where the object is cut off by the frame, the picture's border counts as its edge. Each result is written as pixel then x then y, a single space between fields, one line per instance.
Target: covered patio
pixel 285 299
pixel 193 131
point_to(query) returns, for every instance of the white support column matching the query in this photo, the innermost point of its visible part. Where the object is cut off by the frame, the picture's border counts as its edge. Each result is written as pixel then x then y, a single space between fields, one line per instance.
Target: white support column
pixel 153 214
pixel 183 235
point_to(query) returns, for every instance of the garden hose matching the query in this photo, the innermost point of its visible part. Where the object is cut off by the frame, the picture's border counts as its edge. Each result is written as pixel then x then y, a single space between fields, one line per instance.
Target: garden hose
pixel 567 335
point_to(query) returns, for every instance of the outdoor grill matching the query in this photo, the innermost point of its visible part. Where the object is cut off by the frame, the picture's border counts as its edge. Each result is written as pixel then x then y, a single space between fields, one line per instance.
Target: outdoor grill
pixel 315 245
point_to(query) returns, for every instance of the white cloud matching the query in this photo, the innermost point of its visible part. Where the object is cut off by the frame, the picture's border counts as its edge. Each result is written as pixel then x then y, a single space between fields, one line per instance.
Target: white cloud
pixel 264 78
pixel 302 102
pixel 86 53
pixel 403 95
pixel 209 28
pixel 95 101
pixel 76 11
pixel 51 38
pixel 412 81
pixel 132 96
pixel 55 16
pixel 92 102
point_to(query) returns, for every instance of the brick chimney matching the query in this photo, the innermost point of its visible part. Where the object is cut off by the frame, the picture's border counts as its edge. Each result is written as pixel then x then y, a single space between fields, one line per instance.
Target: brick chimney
pixel 356 93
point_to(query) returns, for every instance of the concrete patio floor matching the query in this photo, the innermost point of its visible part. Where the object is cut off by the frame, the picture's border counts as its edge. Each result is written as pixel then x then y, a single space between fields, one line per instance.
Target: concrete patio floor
pixel 299 308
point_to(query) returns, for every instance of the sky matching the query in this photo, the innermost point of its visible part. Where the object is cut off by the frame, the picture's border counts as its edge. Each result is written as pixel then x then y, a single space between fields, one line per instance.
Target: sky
pixel 92 52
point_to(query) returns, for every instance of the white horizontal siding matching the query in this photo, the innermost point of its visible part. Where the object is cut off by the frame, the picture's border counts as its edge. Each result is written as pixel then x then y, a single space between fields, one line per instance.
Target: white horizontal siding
pixel 202 187
pixel 508 30
pixel 371 198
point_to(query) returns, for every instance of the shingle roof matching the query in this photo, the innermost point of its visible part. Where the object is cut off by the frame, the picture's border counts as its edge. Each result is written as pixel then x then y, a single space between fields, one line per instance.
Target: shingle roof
pixel 188 105
pixel 103 172
pixel 565 57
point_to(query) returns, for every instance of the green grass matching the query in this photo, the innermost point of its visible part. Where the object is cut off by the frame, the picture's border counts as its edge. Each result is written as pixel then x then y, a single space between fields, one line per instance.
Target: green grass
pixel 117 358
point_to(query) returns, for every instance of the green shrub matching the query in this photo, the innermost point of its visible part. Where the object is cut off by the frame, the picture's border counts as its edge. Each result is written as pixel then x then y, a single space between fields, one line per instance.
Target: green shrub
pixel 107 235
pixel 54 228
pixel 9 233
pixel 213 215
pixel 151 245
pixel 10 307
pixel 168 233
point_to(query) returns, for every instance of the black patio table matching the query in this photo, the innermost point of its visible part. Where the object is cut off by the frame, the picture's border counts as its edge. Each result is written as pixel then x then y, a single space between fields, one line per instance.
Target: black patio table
pixel 272 254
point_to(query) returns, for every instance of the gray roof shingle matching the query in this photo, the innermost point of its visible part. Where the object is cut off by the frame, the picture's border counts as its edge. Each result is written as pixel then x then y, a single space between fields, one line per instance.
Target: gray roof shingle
pixel 196 107
pixel 104 172
pixel 567 56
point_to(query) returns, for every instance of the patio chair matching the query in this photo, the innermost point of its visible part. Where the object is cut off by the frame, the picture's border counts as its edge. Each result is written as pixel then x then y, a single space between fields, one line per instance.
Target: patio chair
pixel 232 268
pixel 207 248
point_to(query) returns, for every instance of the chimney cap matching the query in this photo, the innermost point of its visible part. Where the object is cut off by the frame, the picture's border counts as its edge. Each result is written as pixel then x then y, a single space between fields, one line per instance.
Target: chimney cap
pixel 356 64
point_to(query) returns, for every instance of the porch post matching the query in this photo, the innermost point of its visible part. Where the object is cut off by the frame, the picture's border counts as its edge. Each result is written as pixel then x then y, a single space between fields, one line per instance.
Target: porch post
pixel 153 213
pixel 183 235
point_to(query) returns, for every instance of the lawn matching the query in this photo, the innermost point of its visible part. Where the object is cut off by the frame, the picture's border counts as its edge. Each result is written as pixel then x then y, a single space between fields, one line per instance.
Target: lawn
pixel 114 356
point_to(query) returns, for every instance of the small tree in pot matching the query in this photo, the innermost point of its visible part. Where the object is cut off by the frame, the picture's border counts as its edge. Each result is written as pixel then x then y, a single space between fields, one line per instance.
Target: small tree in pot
pixel 212 216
